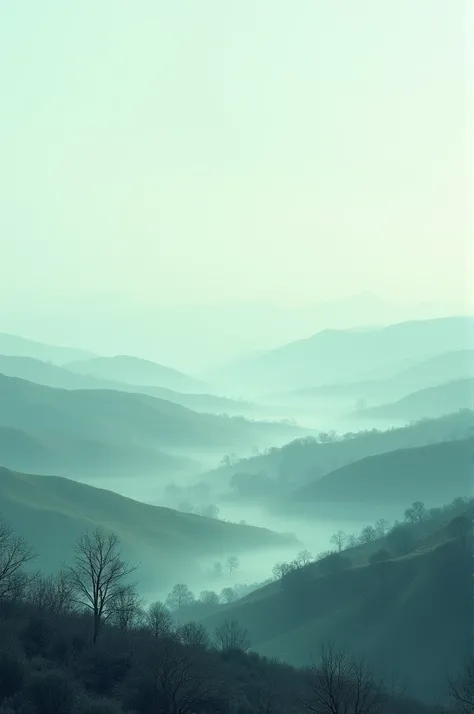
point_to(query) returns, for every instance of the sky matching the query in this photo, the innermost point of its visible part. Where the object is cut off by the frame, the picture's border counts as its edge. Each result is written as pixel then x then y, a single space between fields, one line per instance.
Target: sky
pixel 248 151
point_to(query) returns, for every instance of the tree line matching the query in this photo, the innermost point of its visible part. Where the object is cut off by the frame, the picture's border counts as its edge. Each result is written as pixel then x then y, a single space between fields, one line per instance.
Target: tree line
pixel 82 642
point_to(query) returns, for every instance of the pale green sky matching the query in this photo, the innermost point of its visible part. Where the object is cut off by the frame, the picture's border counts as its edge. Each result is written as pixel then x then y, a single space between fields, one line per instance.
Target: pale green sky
pixel 203 150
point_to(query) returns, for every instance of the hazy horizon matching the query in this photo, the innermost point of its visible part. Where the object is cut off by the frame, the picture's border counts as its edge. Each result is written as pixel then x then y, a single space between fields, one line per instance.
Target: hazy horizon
pixel 213 153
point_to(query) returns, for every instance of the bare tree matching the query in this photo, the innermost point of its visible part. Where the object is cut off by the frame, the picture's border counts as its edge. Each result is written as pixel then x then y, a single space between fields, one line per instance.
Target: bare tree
pixel 228 595
pixel 159 620
pixel 339 539
pixel 230 636
pixel 128 609
pixel 304 557
pixel 352 541
pixel 340 684
pixel 232 563
pixel 15 553
pixel 209 597
pixel 193 634
pixel 416 513
pixel 99 575
pixel 381 527
pixel 178 680
pixel 52 592
pixel 368 534
pixel 180 596
pixel 462 689
pixel 279 570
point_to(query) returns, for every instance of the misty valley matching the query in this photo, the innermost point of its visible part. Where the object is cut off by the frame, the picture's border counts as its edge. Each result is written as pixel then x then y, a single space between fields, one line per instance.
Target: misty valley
pixel 236 357
pixel 320 525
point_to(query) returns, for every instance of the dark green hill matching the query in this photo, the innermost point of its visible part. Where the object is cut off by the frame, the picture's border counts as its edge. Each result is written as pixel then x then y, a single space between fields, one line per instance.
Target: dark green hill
pixel 144 420
pixel 88 433
pixel 49 451
pixel 275 474
pixel 435 474
pixel 51 512
pixel 410 617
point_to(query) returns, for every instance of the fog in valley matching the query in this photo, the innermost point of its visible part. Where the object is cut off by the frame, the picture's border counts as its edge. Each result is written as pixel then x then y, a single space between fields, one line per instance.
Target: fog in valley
pixel 236 358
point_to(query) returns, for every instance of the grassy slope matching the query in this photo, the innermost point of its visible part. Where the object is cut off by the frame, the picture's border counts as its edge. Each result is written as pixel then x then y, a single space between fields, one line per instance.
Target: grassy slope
pixel 51 512
pixel 305 462
pixel 48 452
pixel 104 415
pixel 438 473
pixel 410 615
pixel 51 375
pixel 426 403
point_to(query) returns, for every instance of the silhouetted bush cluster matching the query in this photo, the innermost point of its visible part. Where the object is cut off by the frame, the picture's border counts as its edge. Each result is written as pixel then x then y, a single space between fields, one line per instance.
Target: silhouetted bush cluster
pixel 68 649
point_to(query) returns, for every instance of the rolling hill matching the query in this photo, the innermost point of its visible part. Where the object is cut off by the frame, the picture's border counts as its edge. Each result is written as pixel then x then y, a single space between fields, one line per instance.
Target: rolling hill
pixel 136 371
pixel 52 512
pixel 52 375
pixel 97 428
pixel 434 474
pixel 272 476
pixel 342 355
pixel 409 616
pixel 21 347
pixel 425 403
pixel 84 458
pixel 449 366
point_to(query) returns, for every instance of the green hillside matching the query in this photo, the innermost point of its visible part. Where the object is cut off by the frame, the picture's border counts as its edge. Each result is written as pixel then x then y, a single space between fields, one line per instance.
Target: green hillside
pixel 426 403
pixel 279 471
pixel 436 473
pixel 408 616
pixel 51 512
pixel 64 454
pixel 51 375
pixel 135 420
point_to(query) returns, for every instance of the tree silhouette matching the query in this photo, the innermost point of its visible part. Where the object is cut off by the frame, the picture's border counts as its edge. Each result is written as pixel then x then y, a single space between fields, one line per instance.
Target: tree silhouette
pixel 98 577
pixel 341 684
pixel 180 596
pixel 230 636
pixel 339 539
pixel 228 595
pixel 368 534
pixel 159 620
pixel 209 597
pixel 232 563
pixel 15 553
pixel 381 527
pixel 462 689
pixel 416 513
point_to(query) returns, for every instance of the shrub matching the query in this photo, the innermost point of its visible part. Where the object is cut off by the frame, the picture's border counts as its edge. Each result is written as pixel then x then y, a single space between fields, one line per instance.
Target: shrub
pixel 334 563
pixel 89 705
pixel 379 556
pixel 11 675
pixel 50 692
pixel 101 671
pixel 35 636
